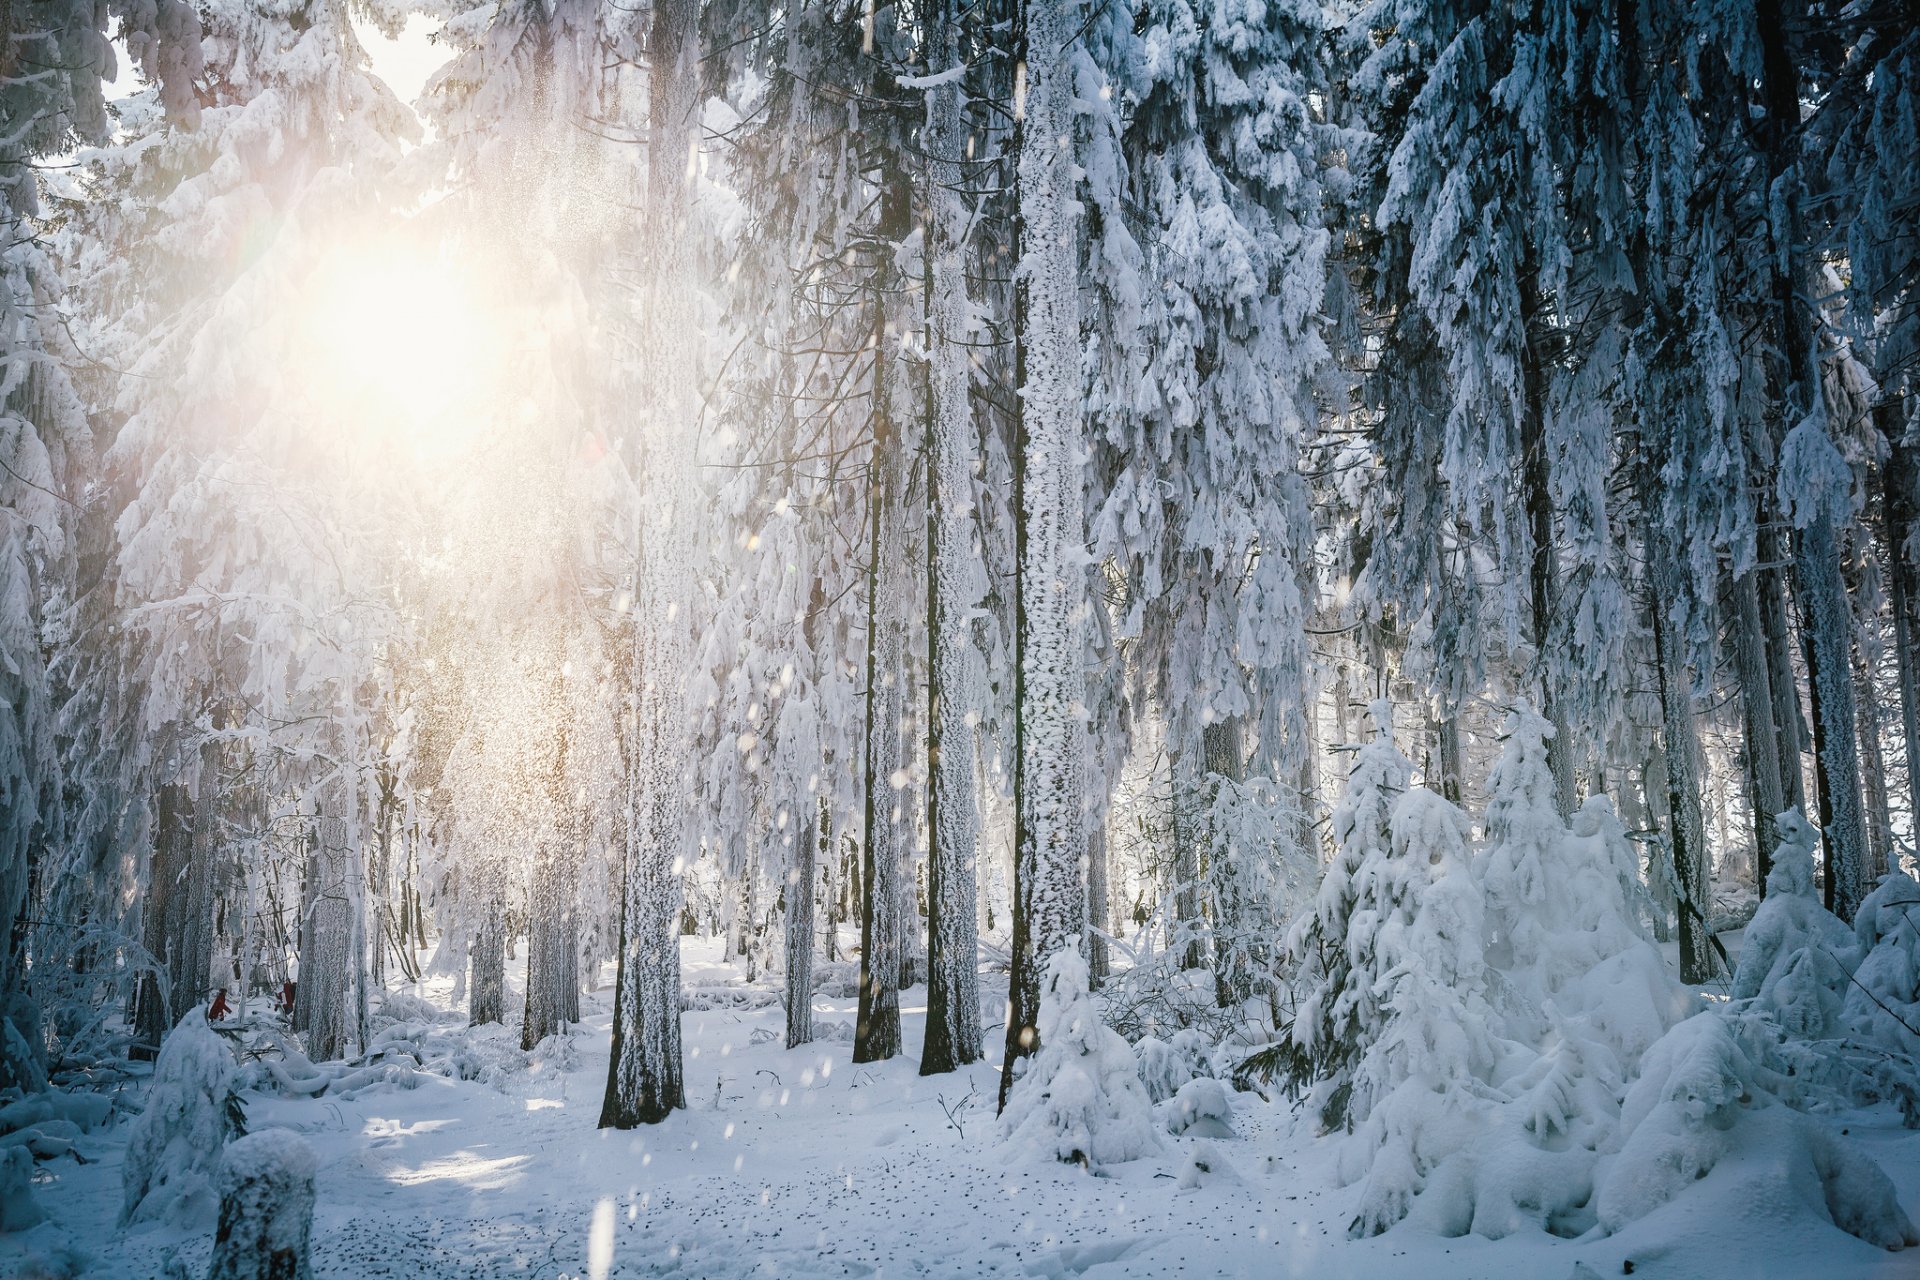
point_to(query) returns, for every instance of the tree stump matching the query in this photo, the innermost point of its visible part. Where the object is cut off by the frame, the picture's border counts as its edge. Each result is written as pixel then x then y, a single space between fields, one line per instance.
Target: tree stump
pixel 266 1208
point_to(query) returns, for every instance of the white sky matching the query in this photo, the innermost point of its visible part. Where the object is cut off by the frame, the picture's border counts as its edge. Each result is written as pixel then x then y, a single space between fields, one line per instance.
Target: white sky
pixel 405 63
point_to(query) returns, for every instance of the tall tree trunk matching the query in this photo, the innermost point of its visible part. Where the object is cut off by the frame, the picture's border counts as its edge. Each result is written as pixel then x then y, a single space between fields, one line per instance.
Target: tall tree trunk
pixel 1049 899
pixel 1542 568
pixel 329 971
pixel 644 1073
pixel 1817 571
pixel 1187 782
pixel 886 841
pixel 487 991
pixel 172 845
pixel 798 922
pixel 553 941
pixel 1899 479
pixel 953 593
pixel 1766 793
pixel 1687 830
pixel 1099 905
pixel 1237 952
pixel 1873 773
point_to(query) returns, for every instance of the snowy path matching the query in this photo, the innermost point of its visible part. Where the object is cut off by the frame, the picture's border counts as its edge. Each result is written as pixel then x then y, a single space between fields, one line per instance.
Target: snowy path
pixel 800 1164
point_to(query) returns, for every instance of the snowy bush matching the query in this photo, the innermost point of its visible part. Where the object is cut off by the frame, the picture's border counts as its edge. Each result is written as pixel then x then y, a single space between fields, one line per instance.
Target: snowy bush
pixel 1339 1009
pixel 1698 1103
pixel 1200 1109
pixel 1796 957
pixel 191 1113
pixel 266 1208
pixel 1882 1005
pixel 18 1209
pixel 1162 1070
pixel 1080 1099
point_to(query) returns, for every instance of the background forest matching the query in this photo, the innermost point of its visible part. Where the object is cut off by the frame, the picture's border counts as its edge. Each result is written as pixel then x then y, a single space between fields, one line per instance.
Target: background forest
pixel 1296 533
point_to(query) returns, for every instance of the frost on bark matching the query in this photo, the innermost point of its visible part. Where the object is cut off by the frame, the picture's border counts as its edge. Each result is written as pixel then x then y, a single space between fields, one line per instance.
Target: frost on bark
pixel 553 976
pixel 1829 624
pixel 799 926
pixel 1049 899
pixel 1900 488
pixel 487 998
pixel 266 1208
pixel 644 1081
pixel 1766 794
pixel 887 844
pixel 325 996
pixel 954 590
pixel 1687 827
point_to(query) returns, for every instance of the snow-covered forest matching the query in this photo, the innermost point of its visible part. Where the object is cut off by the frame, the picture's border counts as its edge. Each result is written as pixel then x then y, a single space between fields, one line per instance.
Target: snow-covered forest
pixel 959 637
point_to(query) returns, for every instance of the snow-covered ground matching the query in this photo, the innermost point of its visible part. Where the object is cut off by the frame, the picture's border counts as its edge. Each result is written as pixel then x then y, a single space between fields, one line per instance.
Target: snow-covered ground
pixel 798 1163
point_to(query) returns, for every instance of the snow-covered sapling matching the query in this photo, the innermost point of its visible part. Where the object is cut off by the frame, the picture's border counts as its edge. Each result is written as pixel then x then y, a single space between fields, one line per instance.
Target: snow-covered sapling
pixel 1080 1099
pixel 190 1116
pixel 1797 954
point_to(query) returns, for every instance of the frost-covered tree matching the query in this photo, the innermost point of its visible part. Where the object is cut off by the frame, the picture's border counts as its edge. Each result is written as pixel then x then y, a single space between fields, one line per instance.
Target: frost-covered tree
pixel 1078 1098
pixel 1338 1007
pixel 190 1116
pixel 1050 908
pixel 644 1074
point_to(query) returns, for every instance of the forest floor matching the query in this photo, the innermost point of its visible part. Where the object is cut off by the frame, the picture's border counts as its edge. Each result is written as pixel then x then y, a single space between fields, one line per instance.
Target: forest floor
pixel 797 1163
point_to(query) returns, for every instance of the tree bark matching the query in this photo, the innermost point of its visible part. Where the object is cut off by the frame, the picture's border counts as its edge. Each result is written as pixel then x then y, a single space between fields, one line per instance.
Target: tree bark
pixel 1766 793
pixel 1049 899
pixel 644 1074
pixel 1898 493
pixel 1686 828
pixel 798 936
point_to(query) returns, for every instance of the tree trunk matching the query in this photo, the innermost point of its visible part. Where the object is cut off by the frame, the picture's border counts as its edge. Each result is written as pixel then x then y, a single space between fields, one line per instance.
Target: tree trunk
pixel 1898 493
pixel 1237 952
pixel 1766 793
pixel 1828 621
pixel 487 990
pixel 1817 571
pixel 644 1073
pixel 328 969
pixel 1687 830
pixel 1049 899
pixel 1542 568
pixel 798 935
pixel 153 995
pixel 553 943
pixel 885 842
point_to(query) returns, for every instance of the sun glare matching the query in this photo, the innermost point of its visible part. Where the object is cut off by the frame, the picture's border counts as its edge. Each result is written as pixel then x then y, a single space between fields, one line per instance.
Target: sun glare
pixel 408 351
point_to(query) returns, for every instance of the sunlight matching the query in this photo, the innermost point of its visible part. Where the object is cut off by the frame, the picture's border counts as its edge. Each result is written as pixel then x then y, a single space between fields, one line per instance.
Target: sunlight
pixel 406 347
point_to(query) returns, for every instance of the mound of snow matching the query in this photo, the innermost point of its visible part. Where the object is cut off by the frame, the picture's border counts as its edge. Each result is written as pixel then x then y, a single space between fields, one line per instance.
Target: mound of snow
pixel 1200 1109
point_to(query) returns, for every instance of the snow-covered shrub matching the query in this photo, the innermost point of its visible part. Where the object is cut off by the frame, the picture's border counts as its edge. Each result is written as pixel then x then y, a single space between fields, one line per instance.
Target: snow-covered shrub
pixel 1162 1069
pixel 191 1113
pixel 1882 1005
pixel 1080 1099
pixel 1797 954
pixel 266 1208
pixel 18 1209
pixel 404 1006
pixel 1698 1104
pixel 1417 942
pixel 1494 1002
pixel 1200 1109
pixel 1339 1009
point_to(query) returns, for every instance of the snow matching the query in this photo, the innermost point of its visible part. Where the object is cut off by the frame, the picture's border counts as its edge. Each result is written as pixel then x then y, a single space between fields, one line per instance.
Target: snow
pixel 777 1168
pixel 174 1145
